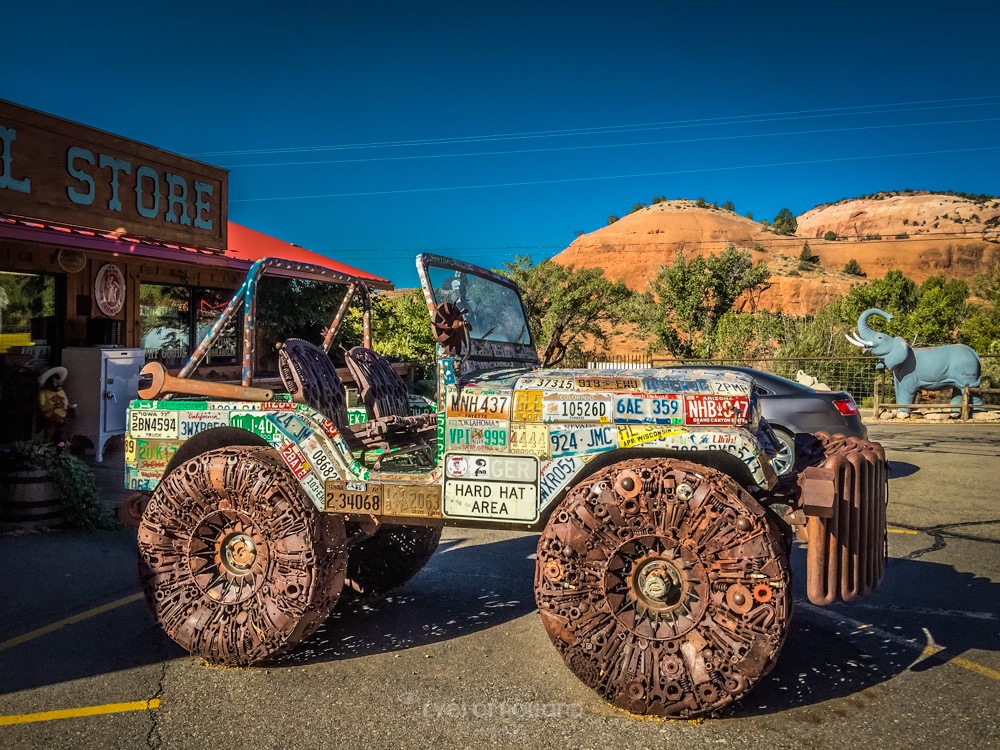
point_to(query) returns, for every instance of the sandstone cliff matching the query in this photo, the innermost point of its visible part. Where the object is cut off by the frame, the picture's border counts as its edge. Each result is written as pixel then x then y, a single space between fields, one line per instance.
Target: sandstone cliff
pixel 922 234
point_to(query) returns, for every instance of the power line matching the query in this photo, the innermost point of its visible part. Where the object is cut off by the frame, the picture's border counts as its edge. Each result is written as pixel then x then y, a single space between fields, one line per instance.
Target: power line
pixel 400 252
pixel 609 145
pixel 888 108
pixel 613 177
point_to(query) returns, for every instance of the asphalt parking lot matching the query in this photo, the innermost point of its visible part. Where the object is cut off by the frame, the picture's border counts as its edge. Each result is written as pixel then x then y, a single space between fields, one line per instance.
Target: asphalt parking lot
pixel 458 657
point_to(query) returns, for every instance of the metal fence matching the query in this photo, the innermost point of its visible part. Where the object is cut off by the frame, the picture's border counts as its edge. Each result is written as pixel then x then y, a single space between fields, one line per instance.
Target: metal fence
pixel 856 375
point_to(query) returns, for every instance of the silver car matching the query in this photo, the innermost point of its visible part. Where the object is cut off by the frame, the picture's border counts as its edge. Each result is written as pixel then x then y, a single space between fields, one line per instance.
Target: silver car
pixel 791 407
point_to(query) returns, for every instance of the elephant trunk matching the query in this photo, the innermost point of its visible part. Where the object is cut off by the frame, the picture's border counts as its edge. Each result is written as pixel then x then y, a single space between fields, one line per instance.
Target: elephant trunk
pixel 866 333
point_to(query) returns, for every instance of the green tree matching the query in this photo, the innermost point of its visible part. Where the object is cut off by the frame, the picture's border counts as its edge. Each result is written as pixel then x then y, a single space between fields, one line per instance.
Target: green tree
pixel 729 206
pixel 701 203
pixel 401 330
pixel 637 207
pixel 895 294
pixel 612 219
pixel 806 254
pixel 568 308
pixel 689 297
pixel 939 311
pixel 830 235
pixel 926 315
pixel 658 199
pixel 853 267
pixel 749 215
pixel 981 327
pixel 744 335
pixel 785 222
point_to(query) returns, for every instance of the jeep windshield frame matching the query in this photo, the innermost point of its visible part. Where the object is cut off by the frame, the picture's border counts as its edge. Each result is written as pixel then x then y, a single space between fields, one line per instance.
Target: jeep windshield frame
pixel 491 304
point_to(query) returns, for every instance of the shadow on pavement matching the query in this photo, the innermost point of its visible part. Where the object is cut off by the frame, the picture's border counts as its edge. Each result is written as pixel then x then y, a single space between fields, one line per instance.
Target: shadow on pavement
pixel 899 469
pixel 827 657
pixel 468 588
pixel 462 589
pixel 53 577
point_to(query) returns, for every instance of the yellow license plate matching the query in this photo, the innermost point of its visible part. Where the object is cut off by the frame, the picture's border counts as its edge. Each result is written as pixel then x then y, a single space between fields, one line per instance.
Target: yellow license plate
pixel 420 502
pixel 353 497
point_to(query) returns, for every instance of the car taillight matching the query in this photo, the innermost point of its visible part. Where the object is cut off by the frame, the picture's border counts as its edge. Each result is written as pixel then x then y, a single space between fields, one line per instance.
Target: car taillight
pixel 846 406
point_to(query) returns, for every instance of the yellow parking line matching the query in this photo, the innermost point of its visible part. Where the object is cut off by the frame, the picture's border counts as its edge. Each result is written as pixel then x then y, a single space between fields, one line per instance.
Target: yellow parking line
pixel 902 531
pixel 72 713
pixel 18 640
pixel 938 653
pixel 941 655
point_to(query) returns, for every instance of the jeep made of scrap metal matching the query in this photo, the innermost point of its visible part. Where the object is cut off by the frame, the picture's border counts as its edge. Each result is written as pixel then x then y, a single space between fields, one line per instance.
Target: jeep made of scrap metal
pixel 662 572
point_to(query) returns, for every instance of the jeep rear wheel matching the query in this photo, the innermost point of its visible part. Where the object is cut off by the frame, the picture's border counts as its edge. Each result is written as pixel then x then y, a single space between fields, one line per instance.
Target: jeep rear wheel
pixel 664 586
pixel 236 562
pixel 390 557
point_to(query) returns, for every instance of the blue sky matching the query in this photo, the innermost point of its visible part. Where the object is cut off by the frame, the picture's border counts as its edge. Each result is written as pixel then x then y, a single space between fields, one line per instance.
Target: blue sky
pixel 372 131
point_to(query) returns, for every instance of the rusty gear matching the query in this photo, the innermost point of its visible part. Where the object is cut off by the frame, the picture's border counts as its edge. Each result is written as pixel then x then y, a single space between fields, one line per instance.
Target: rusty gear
pixel 390 557
pixel 236 563
pixel 450 327
pixel 654 610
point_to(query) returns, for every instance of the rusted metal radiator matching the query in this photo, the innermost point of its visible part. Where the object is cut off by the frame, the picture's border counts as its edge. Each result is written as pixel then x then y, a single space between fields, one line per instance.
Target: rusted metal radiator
pixel 844 499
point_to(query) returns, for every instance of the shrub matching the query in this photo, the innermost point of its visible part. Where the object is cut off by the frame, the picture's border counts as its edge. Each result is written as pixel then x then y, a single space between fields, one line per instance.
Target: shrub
pixel 785 222
pixel 612 219
pixel 729 206
pixel 902 236
pixel 830 236
pixel 701 203
pixel 73 478
pixel 658 199
pixel 806 253
pixel 854 268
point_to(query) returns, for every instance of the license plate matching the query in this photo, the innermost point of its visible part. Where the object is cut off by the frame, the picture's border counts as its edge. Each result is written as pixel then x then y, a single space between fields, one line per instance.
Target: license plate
pixel 353 497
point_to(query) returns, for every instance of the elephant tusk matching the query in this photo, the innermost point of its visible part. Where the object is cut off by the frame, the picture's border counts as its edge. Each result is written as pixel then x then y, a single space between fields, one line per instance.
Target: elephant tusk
pixel 856 340
pixel 861 341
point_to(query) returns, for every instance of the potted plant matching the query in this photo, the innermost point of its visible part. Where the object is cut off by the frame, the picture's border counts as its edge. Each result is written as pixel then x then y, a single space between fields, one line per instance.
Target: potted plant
pixel 43 485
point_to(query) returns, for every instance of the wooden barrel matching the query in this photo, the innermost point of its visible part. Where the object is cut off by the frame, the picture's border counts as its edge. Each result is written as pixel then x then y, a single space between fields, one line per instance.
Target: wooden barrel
pixel 30 500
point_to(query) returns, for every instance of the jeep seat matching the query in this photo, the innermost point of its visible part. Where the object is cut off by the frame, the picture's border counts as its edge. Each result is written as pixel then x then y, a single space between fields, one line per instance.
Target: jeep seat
pixel 386 397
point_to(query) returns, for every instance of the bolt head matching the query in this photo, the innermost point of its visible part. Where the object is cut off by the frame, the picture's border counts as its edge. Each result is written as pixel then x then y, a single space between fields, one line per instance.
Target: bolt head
pixel 684 491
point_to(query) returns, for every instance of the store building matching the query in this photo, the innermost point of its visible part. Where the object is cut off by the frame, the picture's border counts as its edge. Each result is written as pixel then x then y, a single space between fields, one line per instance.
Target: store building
pixel 107 242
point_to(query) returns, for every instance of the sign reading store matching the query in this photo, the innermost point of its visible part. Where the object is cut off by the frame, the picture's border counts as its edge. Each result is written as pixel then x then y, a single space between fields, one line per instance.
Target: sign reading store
pixel 59 171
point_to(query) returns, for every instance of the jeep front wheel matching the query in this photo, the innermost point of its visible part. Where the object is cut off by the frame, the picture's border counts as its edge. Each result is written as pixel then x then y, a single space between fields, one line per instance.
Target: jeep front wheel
pixel 236 562
pixel 664 586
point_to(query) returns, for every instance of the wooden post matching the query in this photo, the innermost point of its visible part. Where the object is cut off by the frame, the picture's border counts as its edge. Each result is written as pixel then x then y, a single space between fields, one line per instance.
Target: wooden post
pixel 965 403
pixel 875 399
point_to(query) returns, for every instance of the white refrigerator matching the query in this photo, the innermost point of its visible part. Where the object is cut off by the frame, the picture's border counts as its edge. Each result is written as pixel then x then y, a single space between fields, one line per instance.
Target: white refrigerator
pixel 101 381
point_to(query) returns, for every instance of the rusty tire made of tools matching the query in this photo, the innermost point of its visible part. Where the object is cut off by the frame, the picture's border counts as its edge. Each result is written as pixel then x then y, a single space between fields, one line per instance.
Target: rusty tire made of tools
pixel 236 562
pixel 390 557
pixel 664 586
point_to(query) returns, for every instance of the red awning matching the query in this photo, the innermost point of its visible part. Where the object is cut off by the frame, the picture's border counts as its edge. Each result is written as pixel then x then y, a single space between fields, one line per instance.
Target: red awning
pixel 245 246
pixel 249 244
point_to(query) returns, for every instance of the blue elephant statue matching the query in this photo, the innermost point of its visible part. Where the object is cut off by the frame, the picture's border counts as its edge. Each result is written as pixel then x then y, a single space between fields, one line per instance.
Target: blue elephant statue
pixel 932 368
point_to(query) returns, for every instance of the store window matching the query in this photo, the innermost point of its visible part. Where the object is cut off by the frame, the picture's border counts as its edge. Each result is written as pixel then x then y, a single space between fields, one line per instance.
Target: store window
pixel 28 315
pixel 173 319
